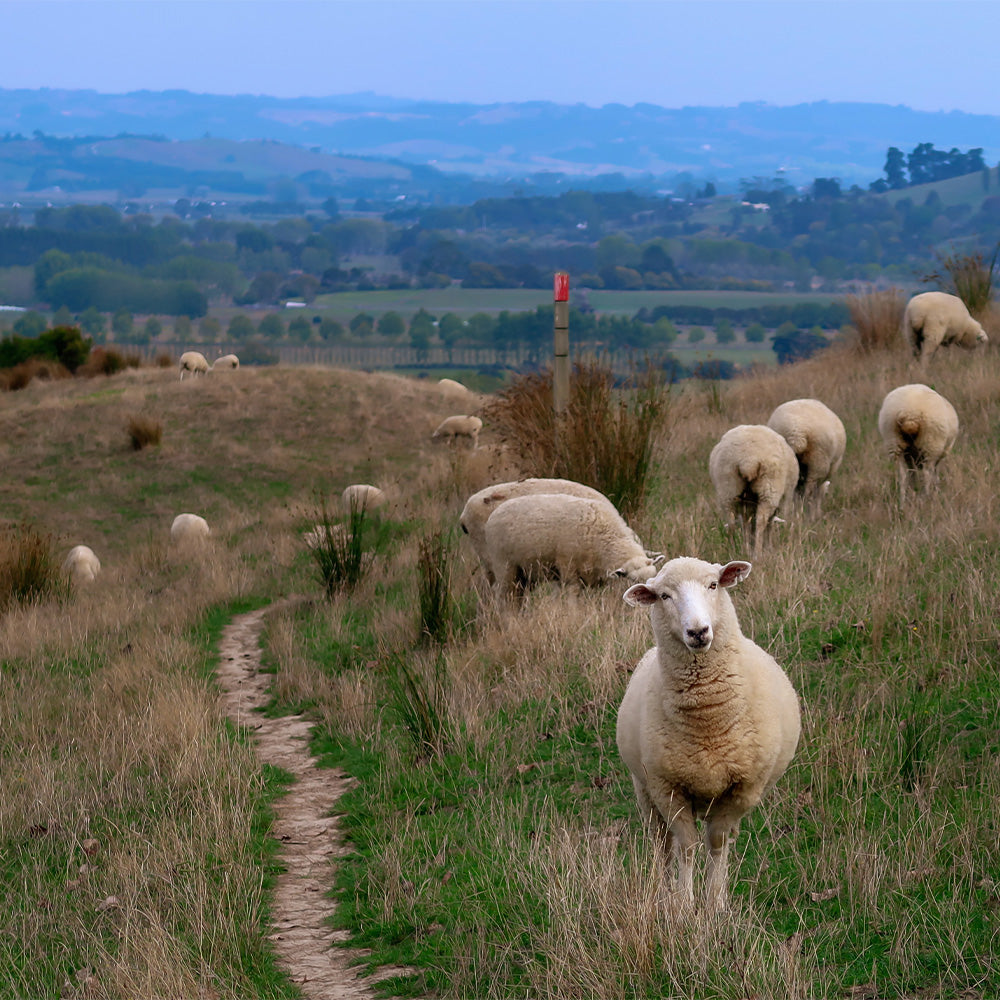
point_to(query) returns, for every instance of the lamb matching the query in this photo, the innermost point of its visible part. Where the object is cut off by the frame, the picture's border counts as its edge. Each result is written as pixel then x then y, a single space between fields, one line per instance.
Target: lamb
pixel 361 496
pixel 936 319
pixel 754 471
pixel 189 528
pixel 709 721
pixel 460 426
pixel 817 436
pixel 578 540
pixel 228 362
pixel 81 564
pixel 919 427
pixel 193 362
pixel 481 505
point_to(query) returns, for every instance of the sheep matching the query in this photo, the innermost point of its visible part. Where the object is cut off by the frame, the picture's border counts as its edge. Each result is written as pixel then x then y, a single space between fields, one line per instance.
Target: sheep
pixel 481 505
pixel 919 427
pixel 754 471
pixel 189 528
pixel 81 564
pixel 460 426
pixel 320 535
pixel 193 362
pixel 936 319
pixel 579 540
pixel 451 389
pixel 361 496
pixel 228 362
pixel 709 721
pixel 817 436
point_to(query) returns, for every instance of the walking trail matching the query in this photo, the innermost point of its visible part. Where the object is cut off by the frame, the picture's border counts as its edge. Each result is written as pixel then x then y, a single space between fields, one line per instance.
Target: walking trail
pixel 310 843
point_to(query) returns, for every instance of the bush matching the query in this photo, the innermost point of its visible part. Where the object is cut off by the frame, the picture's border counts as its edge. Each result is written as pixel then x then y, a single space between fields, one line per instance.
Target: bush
pixel 342 553
pixel 144 431
pixel 28 568
pixel 605 438
pixel 877 317
pixel 104 361
pixel 12 379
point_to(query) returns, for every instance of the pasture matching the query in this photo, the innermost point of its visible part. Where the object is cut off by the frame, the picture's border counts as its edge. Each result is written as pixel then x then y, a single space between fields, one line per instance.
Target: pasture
pixel 492 840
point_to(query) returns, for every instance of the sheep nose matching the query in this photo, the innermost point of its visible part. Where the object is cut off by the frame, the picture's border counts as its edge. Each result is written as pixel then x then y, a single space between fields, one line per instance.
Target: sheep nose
pixel 697 636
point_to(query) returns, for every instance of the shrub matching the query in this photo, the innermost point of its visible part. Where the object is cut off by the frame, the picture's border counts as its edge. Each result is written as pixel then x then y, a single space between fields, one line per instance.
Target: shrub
pixel 605 438
pixel 969 276
pixel 877 317
pixel 144 431
pixel 28 569
pixel 437 609
pixel 104 361
pixel 342 552
pixel 421 702
pixel 164 360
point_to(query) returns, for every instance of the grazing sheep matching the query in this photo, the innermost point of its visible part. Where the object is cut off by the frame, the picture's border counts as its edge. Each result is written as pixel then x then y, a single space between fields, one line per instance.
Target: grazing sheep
pixel 817 436
pixel 361 496
pixel 193 362
pixel 452 428
pixel 189 528
pixel 936 319
pixel 81 564
pixel 228 362
pixel 451 389
pixel 481 505
pixel 754 471
pixel 577 540
pixel 919 427
pixel 709 721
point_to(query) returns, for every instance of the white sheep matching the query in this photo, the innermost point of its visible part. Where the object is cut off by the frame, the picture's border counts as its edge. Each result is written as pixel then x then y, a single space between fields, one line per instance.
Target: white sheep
pixel 709 721
pixel 754 471
pixel 228 362
pixel 361 496
pixel 577 540
pixel 459 426
pixel 817 436
pixel 81 564
pixel 919 427
pixel 451 389
pixel 936 319
pixel 481 505
pixel 193 362
pixel 189 528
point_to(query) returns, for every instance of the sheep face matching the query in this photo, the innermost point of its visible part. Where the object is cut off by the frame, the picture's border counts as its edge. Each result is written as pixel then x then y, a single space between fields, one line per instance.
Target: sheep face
pixel 972 336
pixel 683 600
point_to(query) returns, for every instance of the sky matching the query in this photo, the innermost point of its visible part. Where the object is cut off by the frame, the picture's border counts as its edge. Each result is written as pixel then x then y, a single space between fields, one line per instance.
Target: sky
pixel 926 54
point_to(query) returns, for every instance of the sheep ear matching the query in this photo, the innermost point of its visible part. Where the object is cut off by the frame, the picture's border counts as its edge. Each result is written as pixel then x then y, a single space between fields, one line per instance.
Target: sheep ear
pixel 495 498
pixel 638 594
pixel 733 573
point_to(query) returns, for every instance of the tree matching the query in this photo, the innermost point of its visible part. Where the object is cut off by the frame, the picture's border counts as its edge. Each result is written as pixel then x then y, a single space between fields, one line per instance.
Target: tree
pixel 420 340
pixel 330 329
pixel 121 324
pixel 271 326
pixel 480 327
pixel 391 325
pixel 450 328
pixel 895 169
pixel 240 327
pixel 182 327
pixel 51 263
pixel 152 328
pixel 92 321
pixel 30 324
pixel 300 329
pixel 362 325
pixel 209 327
pixel 331 207
pixel 724 332
pixel 695 335
pixel 663 332
pixel 755 333
pixel 62 317
pixel 796 344
pixel 826 188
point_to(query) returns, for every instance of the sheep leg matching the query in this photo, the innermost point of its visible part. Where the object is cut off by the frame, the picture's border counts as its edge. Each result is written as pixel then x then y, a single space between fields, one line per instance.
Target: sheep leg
pixel 657 826
pixel 720 830
pixel 676 815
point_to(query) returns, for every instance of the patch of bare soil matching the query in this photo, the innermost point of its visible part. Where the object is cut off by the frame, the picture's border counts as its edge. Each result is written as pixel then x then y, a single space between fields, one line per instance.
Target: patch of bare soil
pixel 310 844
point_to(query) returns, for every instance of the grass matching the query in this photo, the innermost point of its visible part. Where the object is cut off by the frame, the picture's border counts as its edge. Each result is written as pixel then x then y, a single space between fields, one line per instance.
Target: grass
pixel 877 318
pixel 493 840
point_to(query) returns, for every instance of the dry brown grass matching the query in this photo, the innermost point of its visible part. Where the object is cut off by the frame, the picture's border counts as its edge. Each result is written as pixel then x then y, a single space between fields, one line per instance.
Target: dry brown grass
pixel 13 379
pixel 877 318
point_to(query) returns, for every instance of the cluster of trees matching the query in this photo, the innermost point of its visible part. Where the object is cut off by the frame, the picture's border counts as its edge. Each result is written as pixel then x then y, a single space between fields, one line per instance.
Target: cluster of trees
pixel 925 164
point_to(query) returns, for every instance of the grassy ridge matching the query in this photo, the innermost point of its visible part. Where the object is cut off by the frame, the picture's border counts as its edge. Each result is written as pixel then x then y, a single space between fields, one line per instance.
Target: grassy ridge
pixel 511 862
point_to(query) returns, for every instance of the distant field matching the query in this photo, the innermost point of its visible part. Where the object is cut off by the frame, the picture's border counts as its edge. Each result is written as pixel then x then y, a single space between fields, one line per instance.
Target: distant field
pixel 466 301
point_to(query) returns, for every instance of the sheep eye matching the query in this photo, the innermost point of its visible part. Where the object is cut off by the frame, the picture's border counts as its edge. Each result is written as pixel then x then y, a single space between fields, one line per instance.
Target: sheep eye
pixel 665 596
pixel 713 586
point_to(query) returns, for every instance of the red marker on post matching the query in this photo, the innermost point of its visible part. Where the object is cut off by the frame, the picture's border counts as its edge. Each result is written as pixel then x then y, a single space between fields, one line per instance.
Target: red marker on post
pixel 560 339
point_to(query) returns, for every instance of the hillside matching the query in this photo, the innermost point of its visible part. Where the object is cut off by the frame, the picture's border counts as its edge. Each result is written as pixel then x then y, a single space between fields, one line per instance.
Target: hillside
pixel 493 840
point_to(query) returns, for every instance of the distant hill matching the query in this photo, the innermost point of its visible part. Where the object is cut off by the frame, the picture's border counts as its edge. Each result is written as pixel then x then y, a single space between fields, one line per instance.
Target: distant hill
pixel 825 139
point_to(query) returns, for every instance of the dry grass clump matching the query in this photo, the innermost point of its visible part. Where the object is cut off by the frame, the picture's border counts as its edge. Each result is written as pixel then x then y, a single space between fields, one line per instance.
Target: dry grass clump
pixel 12 379
pixel 164 360
pixel 970 276
pixel 29 571
pixel 144 431
pixel 877 317
pixel 605 438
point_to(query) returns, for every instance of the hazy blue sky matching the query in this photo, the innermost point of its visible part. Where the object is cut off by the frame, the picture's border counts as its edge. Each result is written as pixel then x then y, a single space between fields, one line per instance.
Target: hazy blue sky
pixel 923 53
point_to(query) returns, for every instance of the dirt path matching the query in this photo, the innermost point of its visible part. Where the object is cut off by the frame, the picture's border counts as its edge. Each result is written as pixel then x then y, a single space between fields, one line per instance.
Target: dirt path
pixel 310 842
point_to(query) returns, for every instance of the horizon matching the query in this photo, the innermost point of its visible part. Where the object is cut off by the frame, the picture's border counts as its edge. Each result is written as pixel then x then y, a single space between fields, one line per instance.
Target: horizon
pixel 597 53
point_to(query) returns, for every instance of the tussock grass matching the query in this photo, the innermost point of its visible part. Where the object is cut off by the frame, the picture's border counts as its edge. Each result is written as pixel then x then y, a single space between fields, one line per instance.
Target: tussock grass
pixel 144 431
pixel 29 571
pixel 877 318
